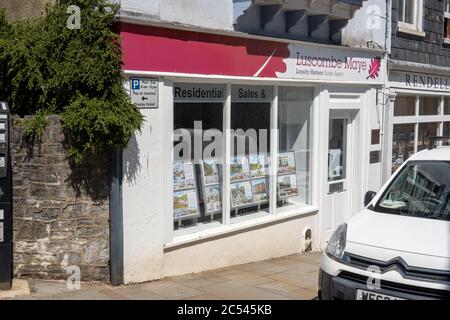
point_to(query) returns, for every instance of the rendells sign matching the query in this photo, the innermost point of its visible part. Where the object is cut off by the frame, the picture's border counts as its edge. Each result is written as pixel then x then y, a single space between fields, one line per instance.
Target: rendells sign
pixel 422 81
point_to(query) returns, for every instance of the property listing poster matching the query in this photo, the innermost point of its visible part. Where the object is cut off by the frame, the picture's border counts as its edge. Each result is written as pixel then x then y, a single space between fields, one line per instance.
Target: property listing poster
pixel 212 199
pixel 287 185
pixel 183 175
pixel 185 203
pixel 257 165
pixel 286 163
pixel 260 192
pixel 210 171
pixel 241 194
pixel 239 168
pixel 334 166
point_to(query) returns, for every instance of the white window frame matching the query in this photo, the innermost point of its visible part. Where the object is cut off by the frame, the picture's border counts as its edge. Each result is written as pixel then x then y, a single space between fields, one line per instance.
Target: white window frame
pixel 415 28
pixel 417 119
pixel 447 17
pixel 228 224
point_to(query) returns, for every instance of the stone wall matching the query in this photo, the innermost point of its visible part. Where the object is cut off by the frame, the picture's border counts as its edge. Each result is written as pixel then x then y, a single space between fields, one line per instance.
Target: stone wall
pixel 61 211
pixel 24 9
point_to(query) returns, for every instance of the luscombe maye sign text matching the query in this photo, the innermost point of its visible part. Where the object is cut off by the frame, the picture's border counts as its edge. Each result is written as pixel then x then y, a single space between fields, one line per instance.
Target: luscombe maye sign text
pixel 422 81
pixel 308 62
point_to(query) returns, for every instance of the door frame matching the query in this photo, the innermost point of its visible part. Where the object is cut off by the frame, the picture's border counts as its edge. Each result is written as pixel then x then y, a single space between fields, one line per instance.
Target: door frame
pixel 352 101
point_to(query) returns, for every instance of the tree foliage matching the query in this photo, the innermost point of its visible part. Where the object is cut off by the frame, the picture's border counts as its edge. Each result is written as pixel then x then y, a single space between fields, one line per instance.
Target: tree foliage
pixel 45 68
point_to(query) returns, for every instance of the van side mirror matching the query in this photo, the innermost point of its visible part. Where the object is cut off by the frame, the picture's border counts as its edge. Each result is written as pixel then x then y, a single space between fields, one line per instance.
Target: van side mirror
pixel 368 197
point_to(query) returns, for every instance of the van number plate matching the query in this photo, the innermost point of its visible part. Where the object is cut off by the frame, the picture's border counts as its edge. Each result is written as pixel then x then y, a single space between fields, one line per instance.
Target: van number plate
pixel 369 295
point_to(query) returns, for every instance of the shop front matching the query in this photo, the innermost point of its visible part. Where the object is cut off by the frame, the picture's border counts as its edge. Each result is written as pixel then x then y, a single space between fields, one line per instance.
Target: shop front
pixel 419 108
pixel 251 149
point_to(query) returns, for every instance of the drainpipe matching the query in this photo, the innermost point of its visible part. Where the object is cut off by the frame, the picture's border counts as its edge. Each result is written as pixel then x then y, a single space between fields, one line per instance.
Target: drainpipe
pixel 385 94
pixel 116 220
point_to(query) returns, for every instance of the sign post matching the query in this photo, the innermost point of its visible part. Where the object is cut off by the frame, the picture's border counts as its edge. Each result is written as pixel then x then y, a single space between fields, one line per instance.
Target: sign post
pixel 5 201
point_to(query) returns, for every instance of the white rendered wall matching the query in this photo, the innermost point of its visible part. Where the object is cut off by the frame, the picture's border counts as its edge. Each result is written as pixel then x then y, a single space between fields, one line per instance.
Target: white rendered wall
pixel 274 240
pixel 212 14
pixel 375 114
pixel 143 200
pixel 367 25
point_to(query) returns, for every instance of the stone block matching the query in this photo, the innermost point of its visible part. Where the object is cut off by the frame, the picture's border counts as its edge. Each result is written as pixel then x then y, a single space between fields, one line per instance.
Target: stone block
pixel 32 230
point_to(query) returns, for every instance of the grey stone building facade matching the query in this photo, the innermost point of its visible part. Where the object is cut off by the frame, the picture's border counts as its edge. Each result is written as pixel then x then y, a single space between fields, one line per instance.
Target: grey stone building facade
pixel 418 87
pixel 428 47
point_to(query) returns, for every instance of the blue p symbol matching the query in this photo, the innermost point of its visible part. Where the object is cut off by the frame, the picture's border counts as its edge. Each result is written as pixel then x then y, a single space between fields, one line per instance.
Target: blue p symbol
pixel 135 84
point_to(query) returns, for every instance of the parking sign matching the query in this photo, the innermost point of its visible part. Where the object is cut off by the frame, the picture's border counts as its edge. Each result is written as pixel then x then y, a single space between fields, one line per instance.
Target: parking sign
pixel 144 92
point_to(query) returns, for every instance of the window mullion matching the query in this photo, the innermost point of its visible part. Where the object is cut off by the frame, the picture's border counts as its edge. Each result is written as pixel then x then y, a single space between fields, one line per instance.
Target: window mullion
pixel 416 137
pixel 273 152
pixel 441 124
pixel 226 206
pixel 404 11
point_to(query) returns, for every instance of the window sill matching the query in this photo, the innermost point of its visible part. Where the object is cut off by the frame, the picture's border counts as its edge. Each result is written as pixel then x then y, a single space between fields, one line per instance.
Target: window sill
pixel 410 31
pixel 241 226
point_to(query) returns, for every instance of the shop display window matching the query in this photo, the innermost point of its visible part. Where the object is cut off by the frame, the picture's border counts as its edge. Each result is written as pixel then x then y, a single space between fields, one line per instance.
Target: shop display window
pixel 250 143
pixel 405 106
pixel 197 172
pixel 402 144
pixel 405 140
pixel 426 130
pixel 294 144
pixel 429 106
pixel 446 133
pixel 199 182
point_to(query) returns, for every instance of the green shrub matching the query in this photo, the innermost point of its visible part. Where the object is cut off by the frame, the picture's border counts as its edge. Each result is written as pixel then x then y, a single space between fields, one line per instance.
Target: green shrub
pixel 47 68
pixel 35 126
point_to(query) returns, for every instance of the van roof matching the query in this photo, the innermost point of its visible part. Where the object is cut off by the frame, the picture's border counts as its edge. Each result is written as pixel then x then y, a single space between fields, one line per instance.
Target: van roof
pixel 440 153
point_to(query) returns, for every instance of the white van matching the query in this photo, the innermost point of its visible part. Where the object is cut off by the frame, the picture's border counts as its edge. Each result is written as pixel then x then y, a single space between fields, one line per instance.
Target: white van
pixel 399 246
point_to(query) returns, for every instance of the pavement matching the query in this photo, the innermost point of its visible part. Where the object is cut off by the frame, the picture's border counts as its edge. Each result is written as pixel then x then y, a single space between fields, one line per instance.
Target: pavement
pixel 288 278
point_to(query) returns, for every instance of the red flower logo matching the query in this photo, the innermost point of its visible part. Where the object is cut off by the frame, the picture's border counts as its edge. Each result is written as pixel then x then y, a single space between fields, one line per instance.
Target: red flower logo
pixel 374 68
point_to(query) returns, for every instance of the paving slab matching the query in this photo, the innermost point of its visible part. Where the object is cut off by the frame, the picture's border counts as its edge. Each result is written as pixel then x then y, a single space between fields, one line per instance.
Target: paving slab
pixel 291 277
pixel 19 288
pixel 288 290
pixel 233 290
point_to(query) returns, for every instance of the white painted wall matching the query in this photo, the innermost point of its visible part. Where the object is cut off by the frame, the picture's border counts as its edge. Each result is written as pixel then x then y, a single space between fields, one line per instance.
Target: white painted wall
pixel 275 240
pixel 375 121
pixel 143 200
pixel 367 24
pixel 212 14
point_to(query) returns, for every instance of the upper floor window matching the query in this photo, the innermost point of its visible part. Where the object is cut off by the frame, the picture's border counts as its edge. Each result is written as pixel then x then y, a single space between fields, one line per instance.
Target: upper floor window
pixel 447 21
pixel 410 15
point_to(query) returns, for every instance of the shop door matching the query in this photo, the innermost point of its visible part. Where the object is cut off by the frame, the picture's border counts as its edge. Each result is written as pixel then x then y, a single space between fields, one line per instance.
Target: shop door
pixel 338 193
